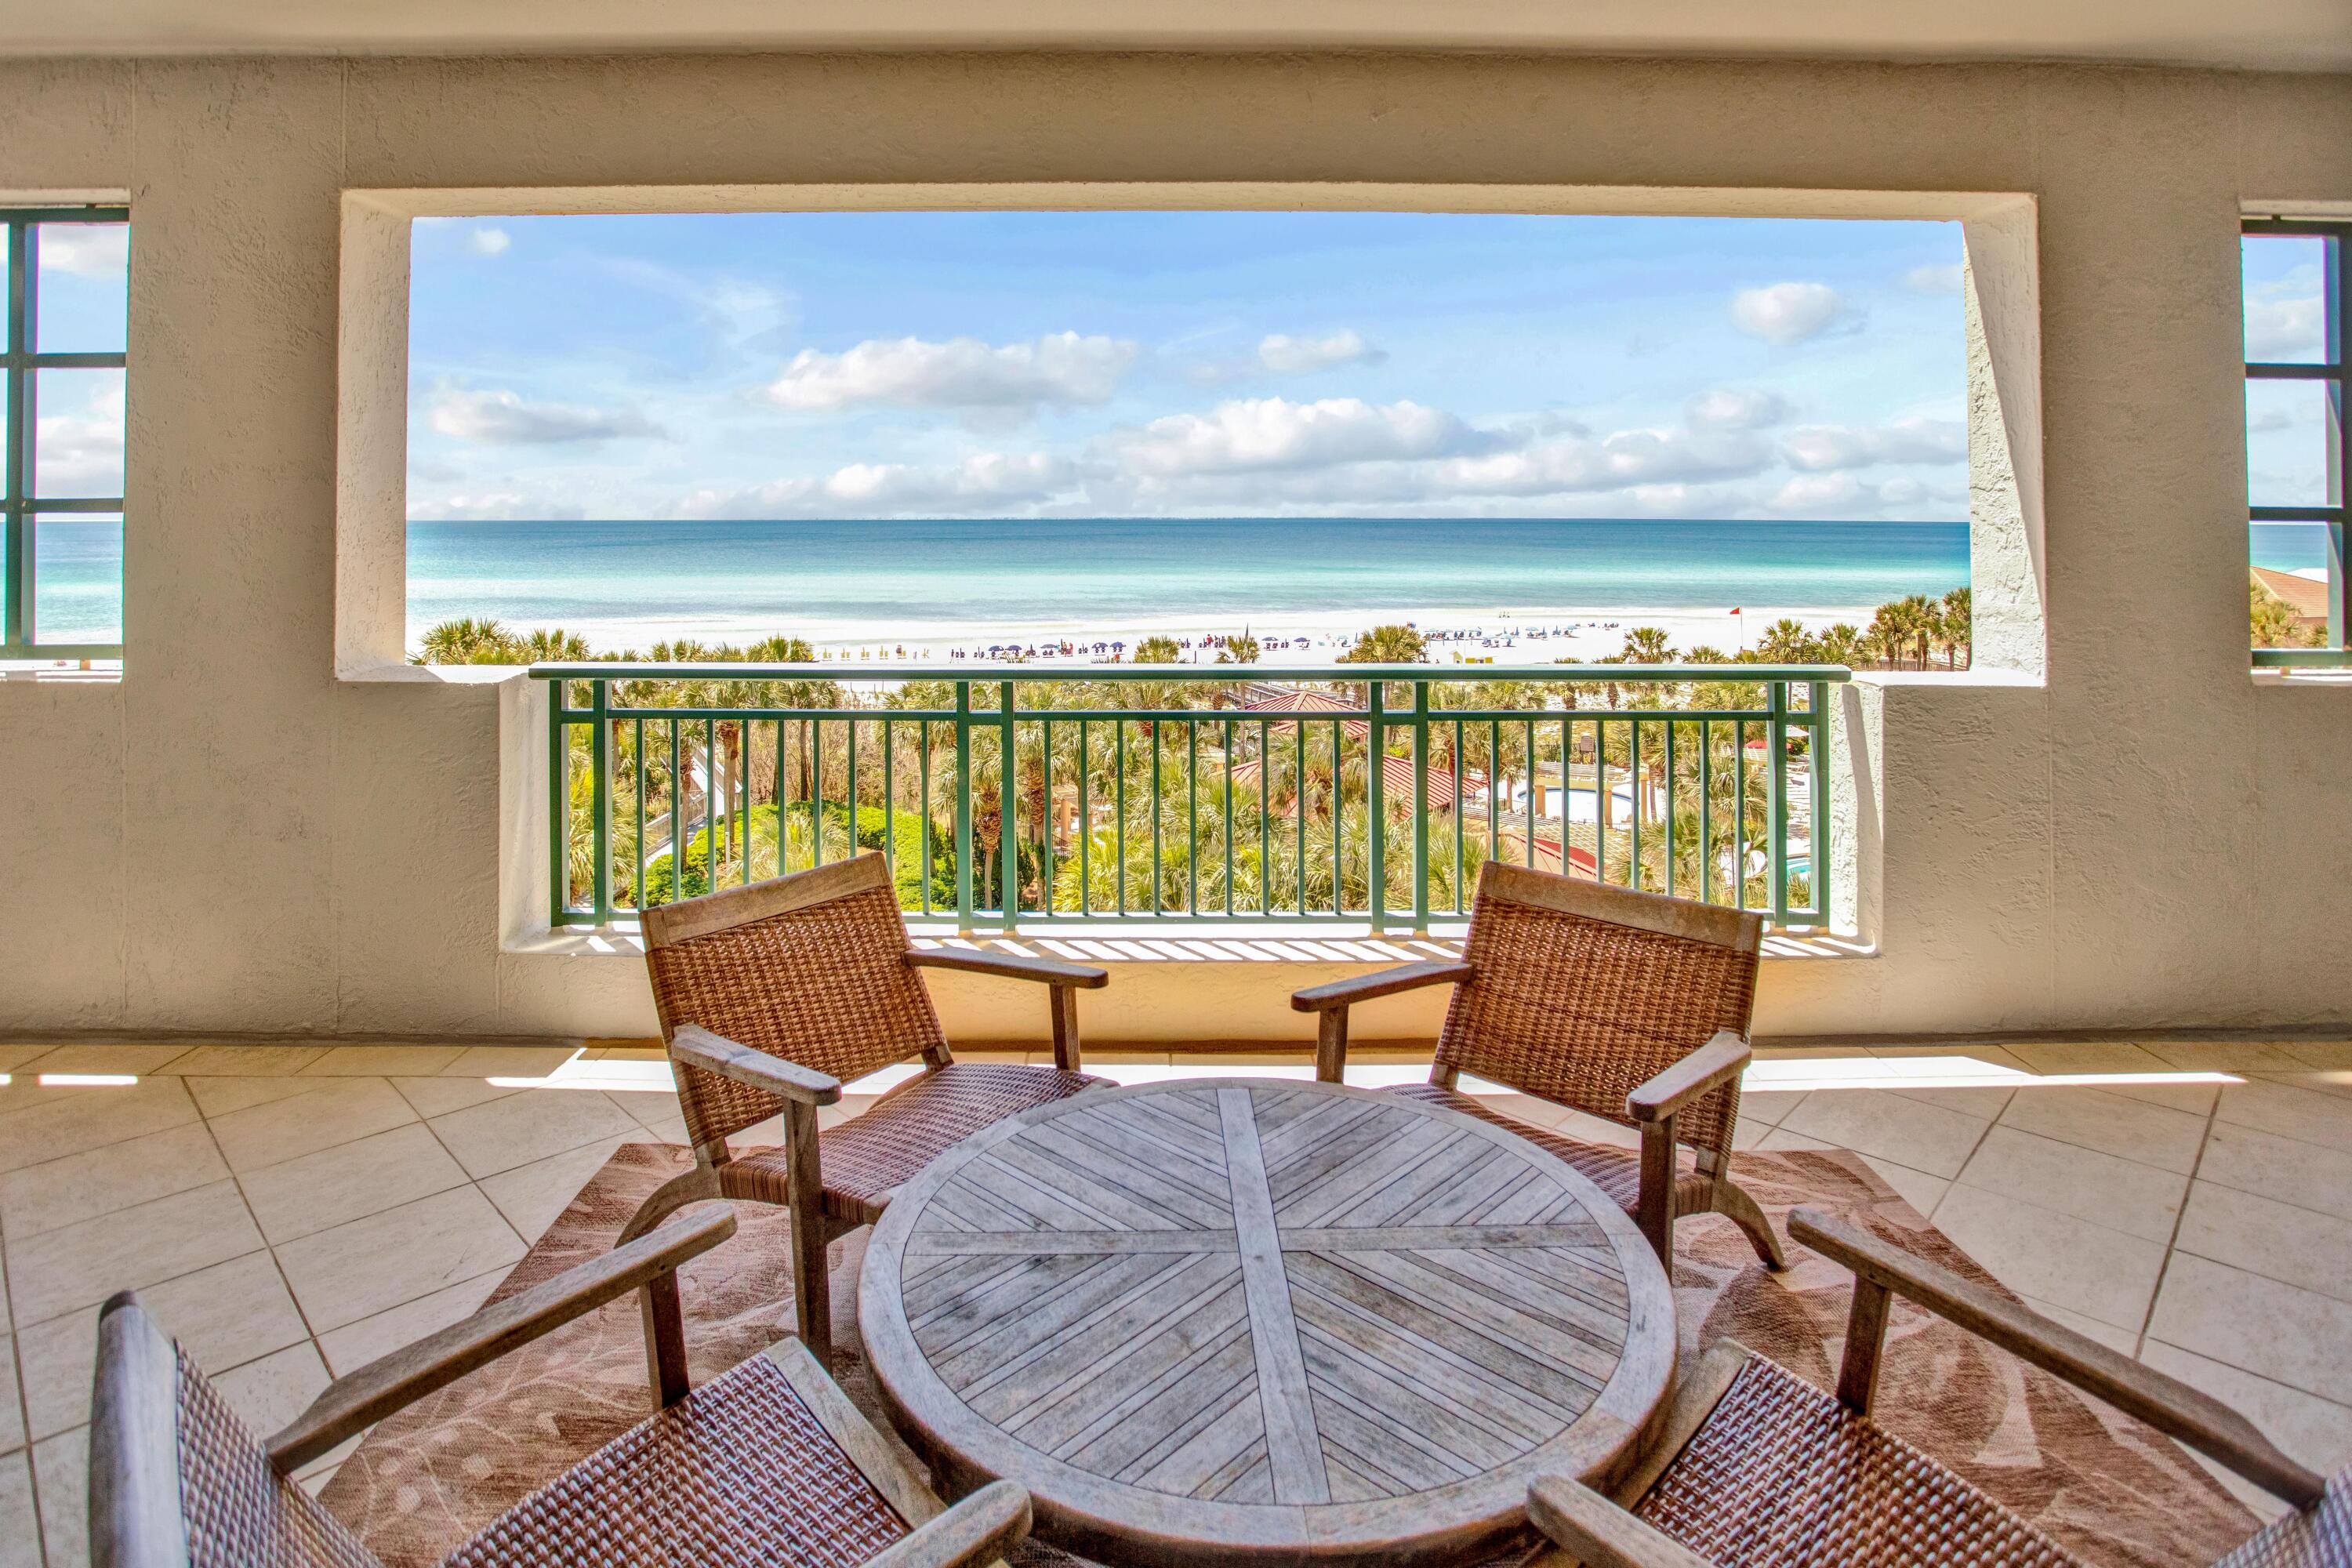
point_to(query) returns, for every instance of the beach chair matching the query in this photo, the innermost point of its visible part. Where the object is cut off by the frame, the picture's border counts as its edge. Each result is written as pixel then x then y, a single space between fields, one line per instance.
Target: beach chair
pixel 768 1463
pixel 770 996
pixel 1625 1006
pixel 1758 1468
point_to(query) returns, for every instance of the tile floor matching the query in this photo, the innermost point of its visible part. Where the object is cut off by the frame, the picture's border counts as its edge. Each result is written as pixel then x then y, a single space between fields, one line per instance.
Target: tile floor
pixel 292 1211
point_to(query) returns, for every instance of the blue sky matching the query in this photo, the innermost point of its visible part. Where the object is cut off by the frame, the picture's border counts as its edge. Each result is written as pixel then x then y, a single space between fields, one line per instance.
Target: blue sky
pixel 949 365
pixel 2287 422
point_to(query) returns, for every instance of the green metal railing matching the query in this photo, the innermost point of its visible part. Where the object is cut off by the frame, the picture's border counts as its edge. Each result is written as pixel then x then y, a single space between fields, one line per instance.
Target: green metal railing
pixel 1357 794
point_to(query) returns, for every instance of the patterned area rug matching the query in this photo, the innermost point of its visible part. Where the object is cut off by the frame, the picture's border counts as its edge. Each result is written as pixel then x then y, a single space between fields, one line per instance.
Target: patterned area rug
pixel 2107 1488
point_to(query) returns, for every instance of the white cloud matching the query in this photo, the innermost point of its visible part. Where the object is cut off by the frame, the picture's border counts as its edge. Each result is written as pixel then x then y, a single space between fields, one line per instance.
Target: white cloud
pixel 489 241
pixel 1823 448
pixel 1061 369
pixel 2281 328
pixel 1285 356
pixel 1735 408
pixel 988 483
pixel 2261 421
pixel 1272 433
pixel 86 249
pixel 504 418
pixel 1787 313
pixel 1941 278
pixel 490 506
pixel 1628 457
pixel 81 454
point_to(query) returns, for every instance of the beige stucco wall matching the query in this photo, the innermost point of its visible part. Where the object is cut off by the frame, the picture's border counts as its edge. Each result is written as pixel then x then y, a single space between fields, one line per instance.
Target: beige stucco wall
pixel 233 838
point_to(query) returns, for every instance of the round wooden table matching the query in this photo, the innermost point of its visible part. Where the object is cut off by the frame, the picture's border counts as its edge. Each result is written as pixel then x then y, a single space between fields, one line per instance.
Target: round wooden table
pixel 1259 1321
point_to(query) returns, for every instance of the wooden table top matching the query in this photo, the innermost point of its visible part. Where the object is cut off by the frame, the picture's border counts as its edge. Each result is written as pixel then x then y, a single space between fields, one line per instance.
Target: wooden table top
pixel 1256 1321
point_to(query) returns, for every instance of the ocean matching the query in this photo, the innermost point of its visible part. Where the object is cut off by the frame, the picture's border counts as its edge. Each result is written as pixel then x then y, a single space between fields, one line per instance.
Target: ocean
pixel 842 584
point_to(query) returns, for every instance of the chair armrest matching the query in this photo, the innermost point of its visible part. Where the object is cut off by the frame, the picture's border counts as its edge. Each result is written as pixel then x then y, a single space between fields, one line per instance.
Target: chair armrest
pixel 2169 1405
pixel 360 1399
pixel 1381 982
pixel 1701 1073
pixel 1010 966
pixel 1599 1533
pixel 697 1047
pixel 978 1529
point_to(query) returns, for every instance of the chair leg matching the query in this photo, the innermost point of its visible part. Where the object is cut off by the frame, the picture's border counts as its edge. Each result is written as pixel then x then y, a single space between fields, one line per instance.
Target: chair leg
pixel 698 1185
pixel 804 1186
pixel 1732 1200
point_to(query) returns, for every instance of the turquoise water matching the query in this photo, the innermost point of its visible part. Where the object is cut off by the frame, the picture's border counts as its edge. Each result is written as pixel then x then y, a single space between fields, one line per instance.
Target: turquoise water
pixel 624 582
pixel 614 581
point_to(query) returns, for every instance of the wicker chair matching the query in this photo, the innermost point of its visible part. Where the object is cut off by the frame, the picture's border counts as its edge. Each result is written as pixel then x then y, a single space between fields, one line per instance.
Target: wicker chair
pixel 1758 1468
pixel 767 1464
pixel 1621 1004
pixel 771 995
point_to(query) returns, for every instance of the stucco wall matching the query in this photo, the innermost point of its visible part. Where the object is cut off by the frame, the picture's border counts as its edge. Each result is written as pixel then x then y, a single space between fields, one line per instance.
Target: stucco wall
pixel 236 839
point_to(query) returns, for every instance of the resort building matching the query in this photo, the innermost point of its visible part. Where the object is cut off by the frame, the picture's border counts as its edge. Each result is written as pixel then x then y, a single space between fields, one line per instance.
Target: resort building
pixel 332 997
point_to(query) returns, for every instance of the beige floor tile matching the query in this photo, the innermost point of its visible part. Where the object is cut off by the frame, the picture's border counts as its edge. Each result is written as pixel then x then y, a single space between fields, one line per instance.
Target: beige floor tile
pixel 2276 1331
pixel 2335 1054
pixel 244 1061
pixel 1872 1121
pixel 2316 1432
pixel 2071 1057
pixel 372 1265
pixel 1984 1104
pixel 2309 1175
pixel 20 1529
pixel 1917 1188
pixel 439 1096
pixel 1747 1134
pixel 61 1467
pixel 354 1345
pixel 1781 1139
pixel 220 1096
pixel 350 1181
pixel 2122 1195
pixel 79 1265
pixel 12 1407
pixel 2054 1256
pixel 531 1195
pixel 2267 1237
pixel 2107 1334
pixel 1768 1107
pixel 268 1392
pixel 226 1315
pixel 2337 1081
pixel 110 1059
pixel 504 1133
pixel 662 1122
pixel 2110 1123
pixel 2284 1108
pixel 100 1180
pixel 14 1056
pixel 509 1062
pixel 1584 1128
pixel 382 1061
pixel 339 1111
pixel 80 1118
pixel 2227 1056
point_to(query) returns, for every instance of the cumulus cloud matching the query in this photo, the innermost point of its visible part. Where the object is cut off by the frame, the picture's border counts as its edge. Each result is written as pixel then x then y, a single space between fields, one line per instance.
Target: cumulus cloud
pixel 1060 370
pixel 1629 458
pixel 1787 313
pixel 490 506
pixel 505 418
pixel 1283 354
pixel 1735 408
pixel 1941 278
pixel 988 483
pixel 81 454
pixel 488 241
pixel 1273 433
pixel 2261 421
pixel 2283 328
pixel 1826 449
pixel 86 249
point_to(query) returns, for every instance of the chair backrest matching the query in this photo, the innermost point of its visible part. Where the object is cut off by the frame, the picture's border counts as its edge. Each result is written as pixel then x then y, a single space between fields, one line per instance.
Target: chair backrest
pixel 1583 991
pixel 177 1481
pixel 2319 1536
pixel 811 967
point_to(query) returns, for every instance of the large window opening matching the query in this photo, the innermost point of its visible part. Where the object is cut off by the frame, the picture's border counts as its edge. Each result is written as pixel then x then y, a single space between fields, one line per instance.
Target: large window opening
pixel 1080 436
pixel 68 340
pixel 2297 276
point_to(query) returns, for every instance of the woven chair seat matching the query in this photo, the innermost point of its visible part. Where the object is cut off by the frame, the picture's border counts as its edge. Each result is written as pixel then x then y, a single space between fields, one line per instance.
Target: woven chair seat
pixel 1616 1172
pixel 739 1472
pixel 868 1157
pixel 1782 1475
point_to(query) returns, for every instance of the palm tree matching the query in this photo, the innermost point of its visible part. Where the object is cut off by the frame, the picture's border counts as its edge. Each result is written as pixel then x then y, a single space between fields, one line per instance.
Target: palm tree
pixel 1786 641
pixel 1957 627
pixel 1242 649
pixel 1387 645
pixel 468 641
pixel 1157 650
pixel 554 645
pixel 1648 645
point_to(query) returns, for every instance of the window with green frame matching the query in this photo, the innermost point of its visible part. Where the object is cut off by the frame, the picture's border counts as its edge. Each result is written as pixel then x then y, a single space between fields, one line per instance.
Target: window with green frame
pixel 2298 281
pixel 67 369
